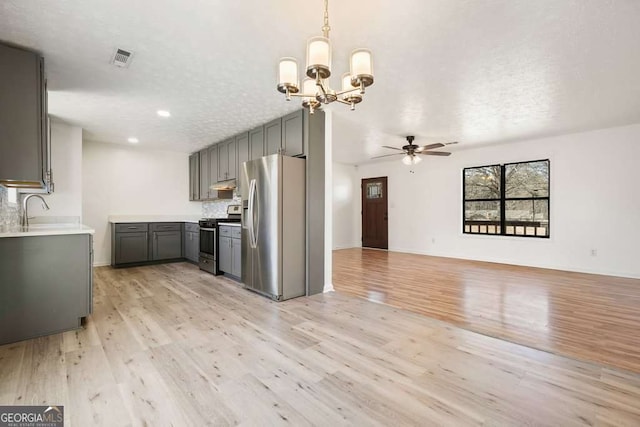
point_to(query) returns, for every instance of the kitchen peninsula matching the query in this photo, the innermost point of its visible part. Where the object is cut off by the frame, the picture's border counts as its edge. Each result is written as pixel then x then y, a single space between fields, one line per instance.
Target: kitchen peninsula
pixel 46 280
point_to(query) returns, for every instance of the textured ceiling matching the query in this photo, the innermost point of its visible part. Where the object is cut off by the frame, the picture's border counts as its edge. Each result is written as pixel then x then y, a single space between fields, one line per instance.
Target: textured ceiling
pixel 475 71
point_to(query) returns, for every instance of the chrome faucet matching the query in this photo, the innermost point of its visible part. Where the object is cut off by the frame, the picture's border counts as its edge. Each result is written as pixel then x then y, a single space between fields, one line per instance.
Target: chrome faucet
pixel 25 202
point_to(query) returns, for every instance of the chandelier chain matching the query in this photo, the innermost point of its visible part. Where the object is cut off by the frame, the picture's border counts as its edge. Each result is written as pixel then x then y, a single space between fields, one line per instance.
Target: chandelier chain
pixel 326 28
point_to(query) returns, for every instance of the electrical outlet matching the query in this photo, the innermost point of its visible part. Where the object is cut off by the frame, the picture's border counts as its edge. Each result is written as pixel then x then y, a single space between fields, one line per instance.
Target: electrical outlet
pixel 594 252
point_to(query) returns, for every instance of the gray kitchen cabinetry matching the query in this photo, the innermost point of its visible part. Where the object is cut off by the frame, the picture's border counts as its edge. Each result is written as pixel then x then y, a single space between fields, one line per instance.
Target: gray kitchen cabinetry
pixel 242 144
pixel 227 159
pixel 191 242
pixel 204 174
pixel 51 292
pixel 25 162
pixel 142 243
pixel 293 134
pixel 166 241
pixel 130 243
pixel 236 252
pixel 273 137
pixel 194 177
pixel 256 143
pixel 213 171
pixel 230 251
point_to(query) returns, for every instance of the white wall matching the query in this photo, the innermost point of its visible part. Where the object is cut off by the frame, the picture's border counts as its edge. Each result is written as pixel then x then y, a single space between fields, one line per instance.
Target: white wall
pixel 346 194
pixel 66 164
pixel 595 204
pixel 123 180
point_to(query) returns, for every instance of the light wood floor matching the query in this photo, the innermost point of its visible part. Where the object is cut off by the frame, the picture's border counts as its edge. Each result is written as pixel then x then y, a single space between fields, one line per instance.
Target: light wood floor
pixel 583 316
pixel 170 345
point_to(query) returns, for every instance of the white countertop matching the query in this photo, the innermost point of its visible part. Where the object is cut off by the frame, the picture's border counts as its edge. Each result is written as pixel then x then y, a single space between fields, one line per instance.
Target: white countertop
pixel 230 224
pixel 118 219
pixel 46 230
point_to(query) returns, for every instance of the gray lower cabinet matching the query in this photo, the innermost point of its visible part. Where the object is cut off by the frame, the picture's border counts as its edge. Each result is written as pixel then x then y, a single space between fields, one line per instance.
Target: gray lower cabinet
pixel 166 241
pixel 230 251
pixel 51 292
pixel 236 263
pixel 192 242
pixel 24 129
pixel 139 243
pixel 225 256
pixel 129 243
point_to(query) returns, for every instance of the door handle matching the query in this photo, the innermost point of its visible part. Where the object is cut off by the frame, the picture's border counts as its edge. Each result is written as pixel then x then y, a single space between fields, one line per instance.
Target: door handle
pixel 252 191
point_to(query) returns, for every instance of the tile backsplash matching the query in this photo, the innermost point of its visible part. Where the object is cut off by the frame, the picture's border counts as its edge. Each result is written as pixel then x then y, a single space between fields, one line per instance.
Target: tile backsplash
pixel 218 208
pixel 9 212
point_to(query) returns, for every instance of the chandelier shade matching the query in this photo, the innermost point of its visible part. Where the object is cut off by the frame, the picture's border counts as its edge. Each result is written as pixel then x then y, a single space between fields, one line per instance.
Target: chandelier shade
pixel 288 75
pixel 315 90
pixel 319 57
pixel 362 67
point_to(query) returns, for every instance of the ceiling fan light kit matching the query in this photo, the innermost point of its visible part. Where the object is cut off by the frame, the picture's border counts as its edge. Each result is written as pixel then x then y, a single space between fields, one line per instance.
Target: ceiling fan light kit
pixel 411 151
pixel 315 87
pixel 411 160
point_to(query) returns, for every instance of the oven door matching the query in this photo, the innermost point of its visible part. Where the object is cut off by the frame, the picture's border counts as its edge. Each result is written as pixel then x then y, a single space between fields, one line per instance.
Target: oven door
pixel 208 242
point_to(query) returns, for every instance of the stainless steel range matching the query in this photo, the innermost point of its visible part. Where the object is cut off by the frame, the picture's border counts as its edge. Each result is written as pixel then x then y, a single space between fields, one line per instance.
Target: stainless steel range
pixel 209 238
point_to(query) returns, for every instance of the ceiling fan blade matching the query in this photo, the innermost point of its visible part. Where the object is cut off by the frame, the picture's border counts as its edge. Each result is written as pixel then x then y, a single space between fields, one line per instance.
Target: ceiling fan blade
pixel 393 148
pixel 429 147
pixel 436 153
pixel 387 155
pixel 451 143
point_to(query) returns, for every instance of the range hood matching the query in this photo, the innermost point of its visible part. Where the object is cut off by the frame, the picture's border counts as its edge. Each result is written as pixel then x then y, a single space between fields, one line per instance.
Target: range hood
pixel 224 185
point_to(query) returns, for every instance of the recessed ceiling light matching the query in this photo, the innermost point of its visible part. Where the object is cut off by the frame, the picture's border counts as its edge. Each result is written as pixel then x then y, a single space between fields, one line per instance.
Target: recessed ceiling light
pixel 164 113
pixel 133 140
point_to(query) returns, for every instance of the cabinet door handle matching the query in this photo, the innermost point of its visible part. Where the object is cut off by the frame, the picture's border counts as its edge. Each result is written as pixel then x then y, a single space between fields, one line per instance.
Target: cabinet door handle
pixel 132 228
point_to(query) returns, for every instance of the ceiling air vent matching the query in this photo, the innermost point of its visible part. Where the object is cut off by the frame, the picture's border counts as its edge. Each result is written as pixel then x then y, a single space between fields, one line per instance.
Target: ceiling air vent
pixel 121 58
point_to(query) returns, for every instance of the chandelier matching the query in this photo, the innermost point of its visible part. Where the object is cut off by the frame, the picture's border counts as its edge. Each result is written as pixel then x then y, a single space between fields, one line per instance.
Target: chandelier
pixel 315 87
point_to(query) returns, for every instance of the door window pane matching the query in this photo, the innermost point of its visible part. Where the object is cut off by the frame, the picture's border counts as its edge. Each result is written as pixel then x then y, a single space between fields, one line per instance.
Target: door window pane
pixel 374 190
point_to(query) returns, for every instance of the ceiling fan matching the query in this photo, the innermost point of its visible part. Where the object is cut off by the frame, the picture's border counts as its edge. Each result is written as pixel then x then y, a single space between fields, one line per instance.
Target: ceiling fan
pixel 411 151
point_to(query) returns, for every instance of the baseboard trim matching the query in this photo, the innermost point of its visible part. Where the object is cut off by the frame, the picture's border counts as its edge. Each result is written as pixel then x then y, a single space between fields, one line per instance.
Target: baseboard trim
pixel 625 275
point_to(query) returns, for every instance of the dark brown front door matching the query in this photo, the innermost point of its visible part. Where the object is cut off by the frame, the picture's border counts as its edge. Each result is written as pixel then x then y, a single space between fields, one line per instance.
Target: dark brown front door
pixel 375 233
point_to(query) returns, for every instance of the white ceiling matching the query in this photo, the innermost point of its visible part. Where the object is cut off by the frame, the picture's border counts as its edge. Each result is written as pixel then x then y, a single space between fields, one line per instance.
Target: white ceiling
pixel 475 71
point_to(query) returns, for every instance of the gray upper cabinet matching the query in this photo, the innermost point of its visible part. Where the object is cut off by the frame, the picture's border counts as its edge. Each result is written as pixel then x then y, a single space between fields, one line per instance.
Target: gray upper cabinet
pixel 204 174
pixel 242 145
pixel 194 176
pixel 256 143
pixel 24 130
pixel 227 159
pixel 213 171
pixel 273 137
pixel 293 134
pixel 223 160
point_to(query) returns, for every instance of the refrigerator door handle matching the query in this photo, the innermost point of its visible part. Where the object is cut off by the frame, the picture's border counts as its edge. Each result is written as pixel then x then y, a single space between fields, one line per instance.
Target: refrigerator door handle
pixel 252 195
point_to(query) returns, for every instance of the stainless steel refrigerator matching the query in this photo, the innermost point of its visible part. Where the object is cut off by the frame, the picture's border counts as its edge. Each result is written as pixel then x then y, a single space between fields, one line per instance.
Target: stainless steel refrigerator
pixel 273 226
